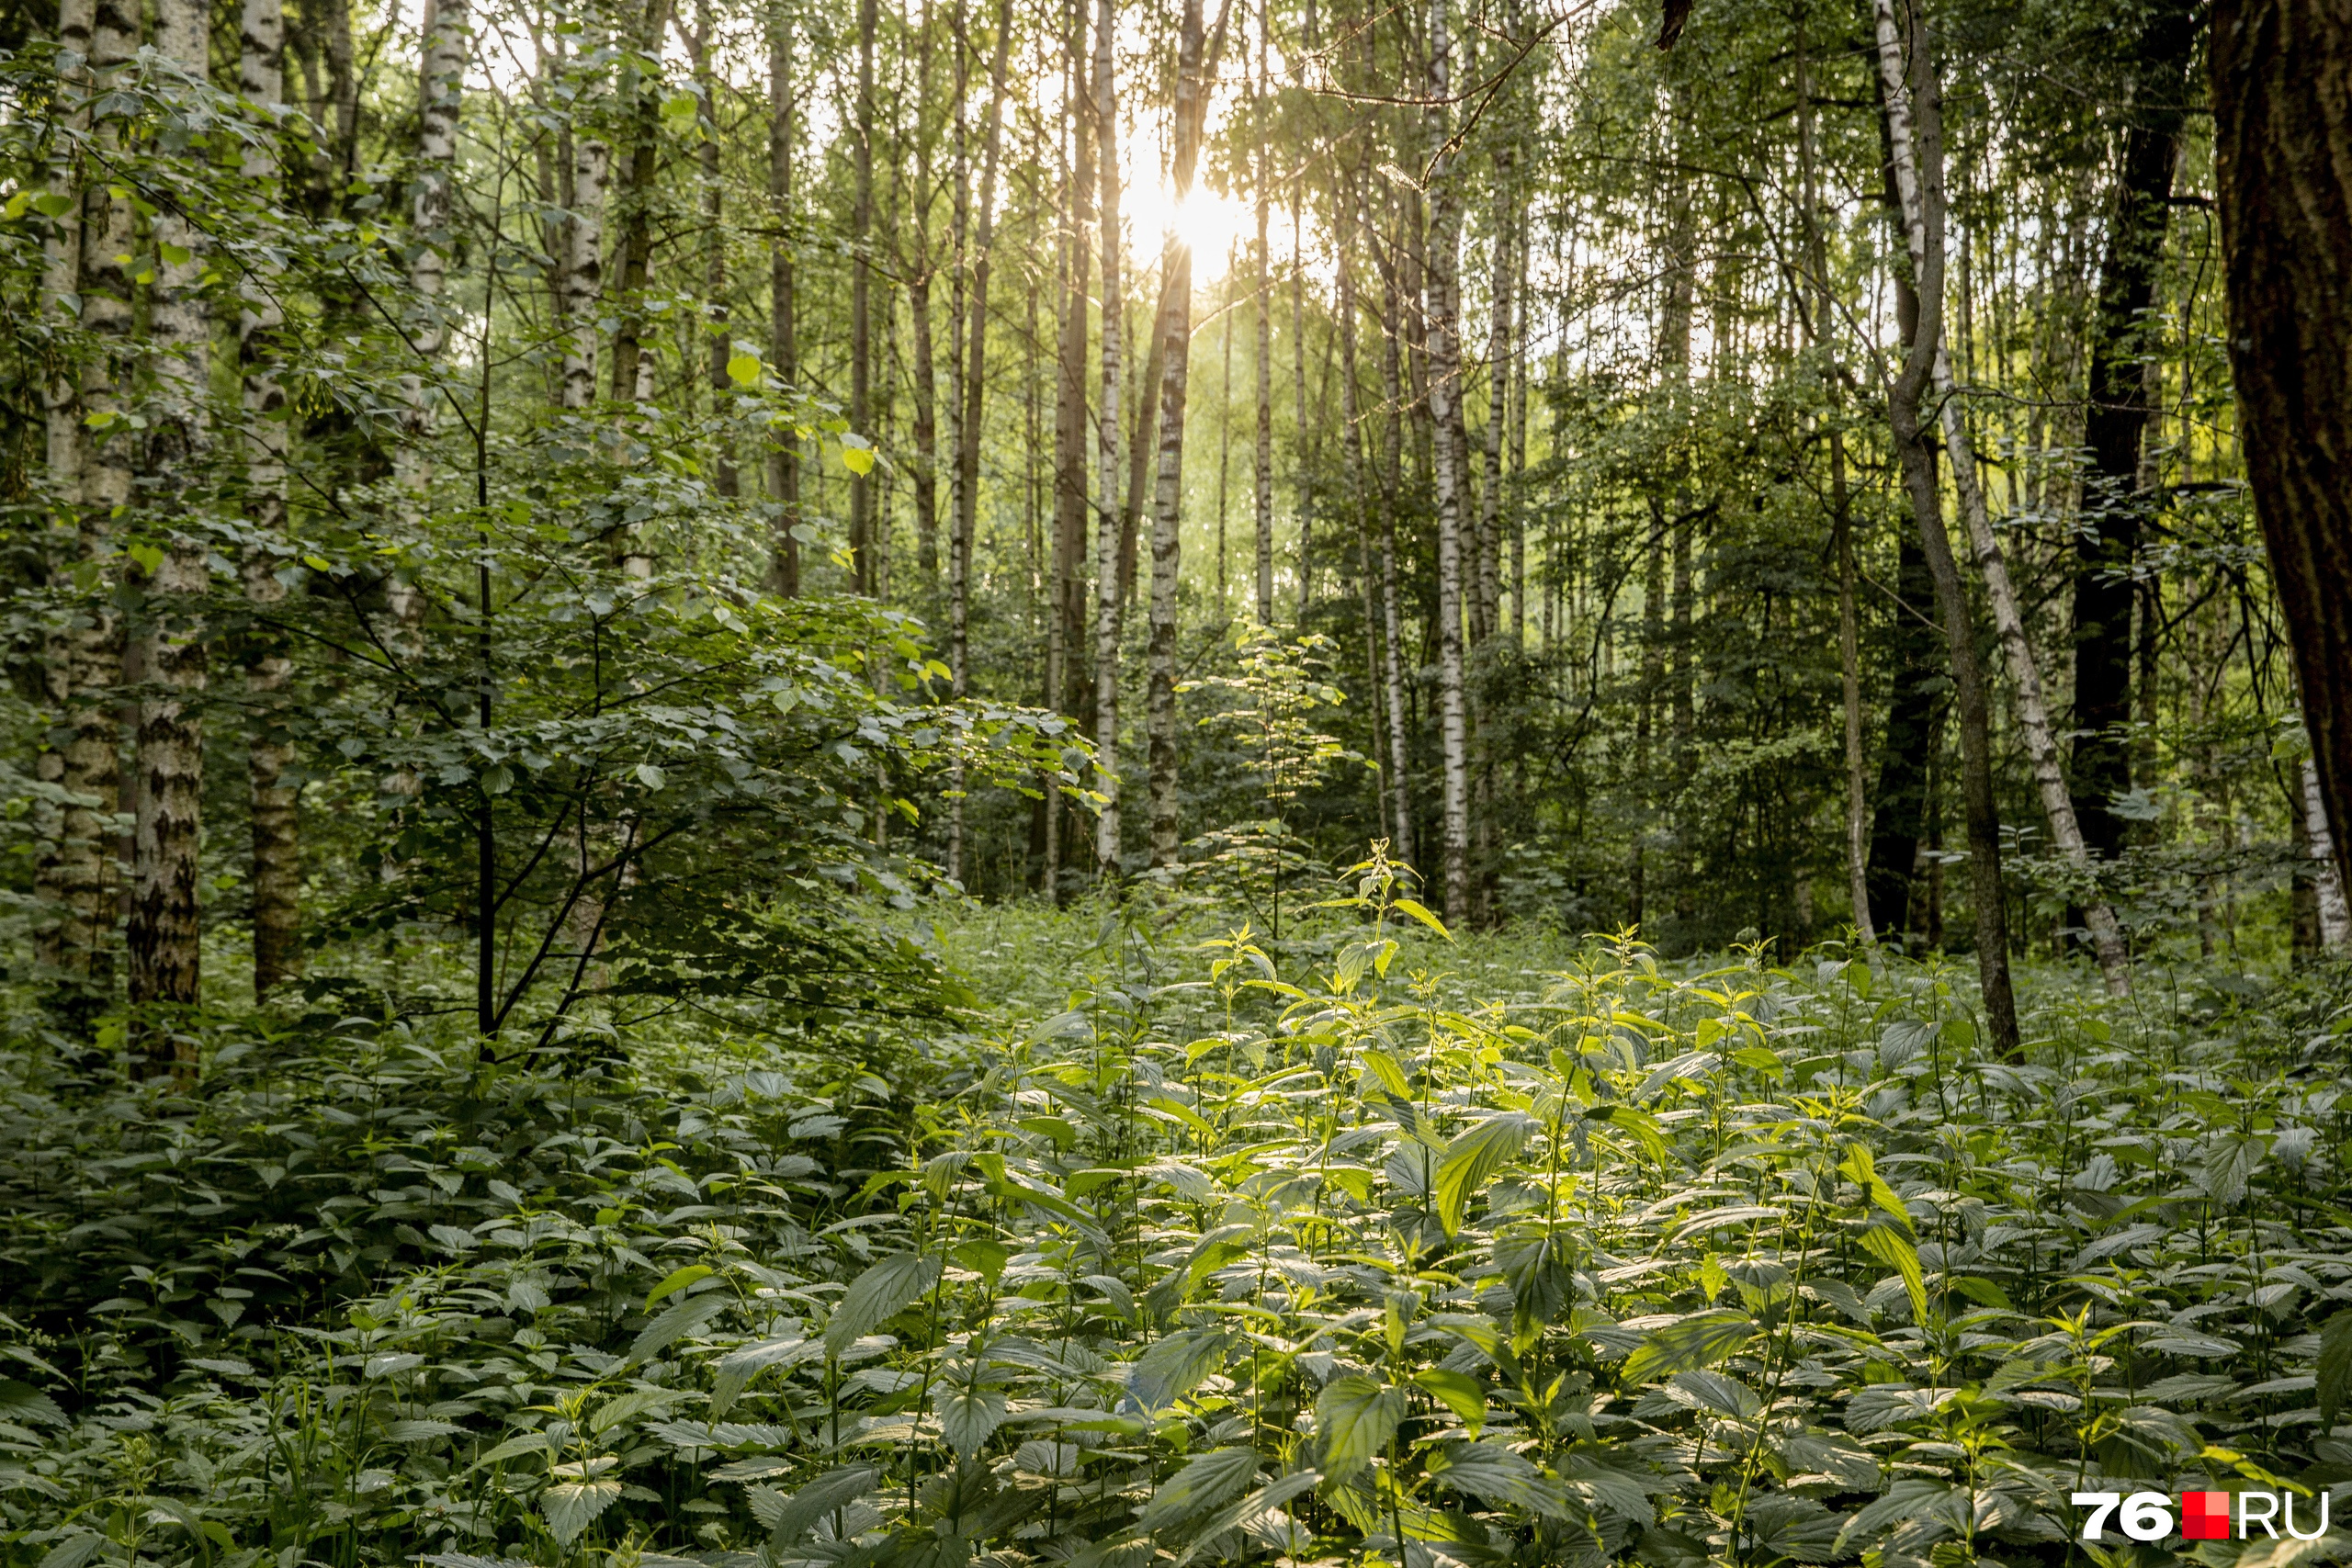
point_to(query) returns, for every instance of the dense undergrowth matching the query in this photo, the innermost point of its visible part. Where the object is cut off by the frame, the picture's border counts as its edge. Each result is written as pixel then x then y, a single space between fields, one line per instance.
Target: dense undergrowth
pixel 1199 1246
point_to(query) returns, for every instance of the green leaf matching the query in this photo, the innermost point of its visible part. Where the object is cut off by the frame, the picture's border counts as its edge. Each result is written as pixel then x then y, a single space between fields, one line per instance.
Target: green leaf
pixel 22 1401
pixel 1891 1247
pixel 1390 1072
pixel 677 1282
pixel 968 1414
pixel 1499 1475
pixel 174 256
pixel 1206 1481
pixel 650 777
pixel 833 1490
pixel 676 1321
pixel 1354 1418
pixel 881 1294
pixel 529 1443
pixel 2334 1380
pixel 857 458
pixel 1472 1157
pixel 570 1506
pixel 743 369
pixel 2229 1165
pixel 1174 1366
pixel 1700 1340
pixel 1409 907
pixel 741 1365
pixel 148 558
pixel 1458 1391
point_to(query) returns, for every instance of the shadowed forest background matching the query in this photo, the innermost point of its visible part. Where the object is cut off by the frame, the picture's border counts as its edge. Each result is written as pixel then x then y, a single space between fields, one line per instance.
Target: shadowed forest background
pixel 1259 780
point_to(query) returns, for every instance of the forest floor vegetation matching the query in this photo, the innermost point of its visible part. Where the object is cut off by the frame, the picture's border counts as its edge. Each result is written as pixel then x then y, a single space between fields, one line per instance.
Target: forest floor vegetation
pixel 1369 1244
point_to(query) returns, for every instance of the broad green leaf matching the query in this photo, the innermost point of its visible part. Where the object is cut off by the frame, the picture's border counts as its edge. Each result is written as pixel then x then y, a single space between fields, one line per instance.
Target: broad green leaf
pixel 2229 1165
pixel 1391 1073
pixel 1174 1366
pixel 1499 1476
pixel 883 1290
pixel 1206 1481
pixel 22 1401
pixel 968 1416
pixel 741 1365
pixel 529 1443
pixel 676 1321
pixel 1354 1418
pixel 857 459
pixel 833 1490
pixel 743 369
pixel 1458 1391
pixel 1891 1247
pixel 1472 1157
pixel 1411 907
pixel 1700 1340
pixel 2334 1379
pixel 570 1506
pixel 676 1282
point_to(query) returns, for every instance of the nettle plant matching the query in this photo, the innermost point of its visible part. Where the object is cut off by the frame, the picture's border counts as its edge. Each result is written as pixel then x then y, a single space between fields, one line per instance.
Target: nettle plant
pixel 1758 1264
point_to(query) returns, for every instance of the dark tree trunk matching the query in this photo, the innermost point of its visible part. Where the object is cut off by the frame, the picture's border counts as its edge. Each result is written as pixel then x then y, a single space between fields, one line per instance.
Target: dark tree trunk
pixel 2283 113
pixel 2114 425
pixel 1917 671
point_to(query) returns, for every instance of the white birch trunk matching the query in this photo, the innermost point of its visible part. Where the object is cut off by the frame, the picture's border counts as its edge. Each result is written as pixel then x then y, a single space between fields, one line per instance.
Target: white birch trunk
pixel 1445 413
pixel 2335 916
pixel 1108 602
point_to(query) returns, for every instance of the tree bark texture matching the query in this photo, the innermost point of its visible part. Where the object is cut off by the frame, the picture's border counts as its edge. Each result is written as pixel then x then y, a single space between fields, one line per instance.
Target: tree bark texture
pixel 1916 450
pixel 1109 602
pixel 2283 113
pixel 1443 315
pixel 1194 72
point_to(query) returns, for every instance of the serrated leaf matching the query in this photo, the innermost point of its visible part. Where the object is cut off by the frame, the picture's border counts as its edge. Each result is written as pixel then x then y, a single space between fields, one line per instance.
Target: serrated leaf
pixel 676 1321
pixel 679 1281
pixel 1413 908
pixel 1458 1391
pixel 570 1506
pixel 1472 1156
pixel 1206 1481
pixel 1354 1418
pixel 882 1291
pixel 968 1416
pixel 1894 1249
pixel 835 1489
pixel 1499 1476
pixel 1174 1366
pixel 20 1401
pixel 1700 1340
pixel 741 1365
pixel 2335 1377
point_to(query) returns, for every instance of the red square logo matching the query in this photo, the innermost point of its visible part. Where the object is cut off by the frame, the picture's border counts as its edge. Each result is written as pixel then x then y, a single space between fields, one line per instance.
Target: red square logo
pixel 2205 1516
